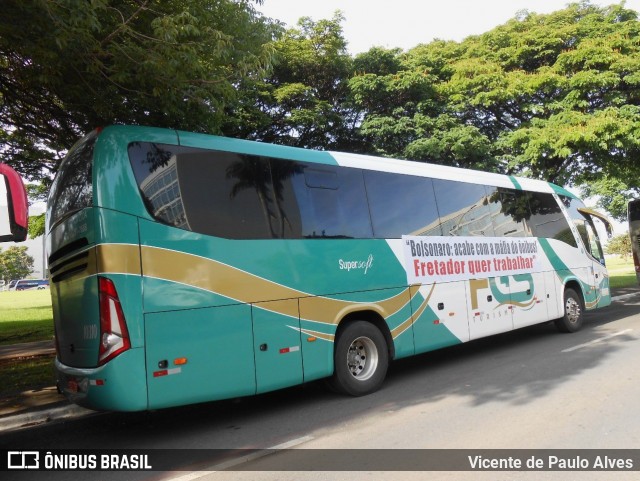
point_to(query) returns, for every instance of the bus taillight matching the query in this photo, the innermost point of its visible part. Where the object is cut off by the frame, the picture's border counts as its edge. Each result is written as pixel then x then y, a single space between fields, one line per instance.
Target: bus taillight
pixel 114 337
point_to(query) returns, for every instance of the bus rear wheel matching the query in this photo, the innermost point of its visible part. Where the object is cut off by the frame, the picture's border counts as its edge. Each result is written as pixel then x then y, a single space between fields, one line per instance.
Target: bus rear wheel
pixel 572 319
pixel 361 359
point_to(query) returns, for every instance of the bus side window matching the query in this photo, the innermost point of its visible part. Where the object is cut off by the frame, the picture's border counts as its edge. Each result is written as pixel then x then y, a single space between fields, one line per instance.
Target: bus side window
pixel 401 205
pixel 232 196
pixel 464 208
pixel 333 202
pixel 509 212
pixel 547 219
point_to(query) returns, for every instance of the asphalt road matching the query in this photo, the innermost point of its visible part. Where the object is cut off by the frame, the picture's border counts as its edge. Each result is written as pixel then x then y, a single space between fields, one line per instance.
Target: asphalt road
pixel 530 389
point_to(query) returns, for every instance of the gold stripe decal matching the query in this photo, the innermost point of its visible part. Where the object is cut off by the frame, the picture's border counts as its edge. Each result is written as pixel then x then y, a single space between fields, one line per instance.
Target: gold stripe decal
pixel 414 317
pixel 214 276
pixel 118 258
pixel 242 286
pixel 103 258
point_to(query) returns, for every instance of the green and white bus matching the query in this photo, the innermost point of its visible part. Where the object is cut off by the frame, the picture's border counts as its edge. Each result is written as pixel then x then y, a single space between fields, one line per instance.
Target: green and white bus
pixel 188 268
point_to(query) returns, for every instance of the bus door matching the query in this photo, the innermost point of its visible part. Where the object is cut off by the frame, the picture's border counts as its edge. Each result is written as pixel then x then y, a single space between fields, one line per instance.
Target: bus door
pixel 598 272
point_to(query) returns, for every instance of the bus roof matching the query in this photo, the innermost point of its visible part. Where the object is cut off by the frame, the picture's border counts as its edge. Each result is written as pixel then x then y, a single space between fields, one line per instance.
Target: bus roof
pixel 367 162
pixel 425 169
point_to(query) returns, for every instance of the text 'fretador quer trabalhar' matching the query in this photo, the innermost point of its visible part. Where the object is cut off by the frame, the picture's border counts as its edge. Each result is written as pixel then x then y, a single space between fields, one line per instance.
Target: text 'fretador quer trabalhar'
pixel 445 259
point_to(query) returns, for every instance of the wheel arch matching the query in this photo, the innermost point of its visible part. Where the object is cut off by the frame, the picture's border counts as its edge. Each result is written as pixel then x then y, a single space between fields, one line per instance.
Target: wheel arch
pixel 576 287
pixel 371 317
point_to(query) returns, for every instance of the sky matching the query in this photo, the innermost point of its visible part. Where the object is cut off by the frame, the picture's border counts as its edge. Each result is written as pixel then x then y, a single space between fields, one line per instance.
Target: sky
pixel 407 23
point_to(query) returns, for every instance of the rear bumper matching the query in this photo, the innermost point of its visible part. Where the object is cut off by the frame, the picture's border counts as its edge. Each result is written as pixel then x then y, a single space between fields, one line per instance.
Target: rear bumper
pixel 119 385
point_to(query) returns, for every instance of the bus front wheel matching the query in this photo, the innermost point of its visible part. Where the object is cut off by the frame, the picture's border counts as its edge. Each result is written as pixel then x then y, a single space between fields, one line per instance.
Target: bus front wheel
pixel 572 319
pixel 361 359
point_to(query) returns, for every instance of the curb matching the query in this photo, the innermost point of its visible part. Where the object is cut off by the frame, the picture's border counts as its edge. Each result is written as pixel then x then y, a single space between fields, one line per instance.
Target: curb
pixel 72 411
pixel 36 418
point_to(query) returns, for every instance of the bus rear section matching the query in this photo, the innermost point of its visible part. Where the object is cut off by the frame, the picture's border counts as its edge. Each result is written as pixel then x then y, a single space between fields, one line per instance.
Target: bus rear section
pixel 99 357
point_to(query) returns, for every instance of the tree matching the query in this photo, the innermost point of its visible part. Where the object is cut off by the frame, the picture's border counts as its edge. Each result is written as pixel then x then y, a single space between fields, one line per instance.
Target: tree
pixel 15 263
pixel 304 101
pixel 37 193
pixel 67 67
pixel 554 97
pixel 558 93
pixel 613 193
pixel 404 113
pixel 620 245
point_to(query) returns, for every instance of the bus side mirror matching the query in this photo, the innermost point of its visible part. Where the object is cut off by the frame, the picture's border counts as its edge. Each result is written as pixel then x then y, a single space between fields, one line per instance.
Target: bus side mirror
pixel 604 219
pixel 14 208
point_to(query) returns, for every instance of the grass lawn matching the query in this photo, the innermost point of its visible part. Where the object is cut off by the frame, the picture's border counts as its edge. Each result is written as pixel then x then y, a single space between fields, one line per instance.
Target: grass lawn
pixel 25 374
pixel 25 316
pixel 622 272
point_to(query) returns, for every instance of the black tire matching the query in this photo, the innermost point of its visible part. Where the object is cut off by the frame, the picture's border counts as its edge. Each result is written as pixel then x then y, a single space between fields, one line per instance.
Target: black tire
pixel 361 359
pixel 573 316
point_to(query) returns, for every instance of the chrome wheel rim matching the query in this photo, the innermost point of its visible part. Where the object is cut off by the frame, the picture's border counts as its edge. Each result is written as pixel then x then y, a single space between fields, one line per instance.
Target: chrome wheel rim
pixel 362 358
pixel 573 310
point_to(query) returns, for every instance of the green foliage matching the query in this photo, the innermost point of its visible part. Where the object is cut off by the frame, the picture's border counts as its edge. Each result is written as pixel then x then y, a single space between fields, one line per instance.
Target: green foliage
pixel 559 92
pixel 620 245
pixel 555 97
pixel 15 263
pixel 613 193
pixel 37 193
pixel 36 225
pixel 303 102
pixel 68 66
